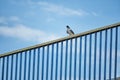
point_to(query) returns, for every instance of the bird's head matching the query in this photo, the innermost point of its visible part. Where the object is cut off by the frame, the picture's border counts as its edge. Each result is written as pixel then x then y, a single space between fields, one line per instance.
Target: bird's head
pixel 67 26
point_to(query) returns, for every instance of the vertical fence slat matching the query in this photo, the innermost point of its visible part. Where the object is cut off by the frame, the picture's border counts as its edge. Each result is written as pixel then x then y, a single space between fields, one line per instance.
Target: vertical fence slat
pixel 42 78
pixel 61 60
pixel 25 65
pixel 38 62
pixel 3 64
pixel 85 58
pixel 70 59
pixel 105 54
pixel 33 75
pixel 7 64
pixel 80 58
pixel 116 42
pixel 20 68
pixel 56 62
pixel 29 68
pixel 11 74
pixel 51 77
pixel 95 47
pixel 100 48
pixel 110 58
pixel 47 66
pixel 66 59
pixel 90 56
pixel 75 58
pixel 16 66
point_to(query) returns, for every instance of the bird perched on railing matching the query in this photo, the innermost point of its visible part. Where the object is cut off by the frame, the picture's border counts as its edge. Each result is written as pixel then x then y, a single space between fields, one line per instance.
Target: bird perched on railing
pixel 69 31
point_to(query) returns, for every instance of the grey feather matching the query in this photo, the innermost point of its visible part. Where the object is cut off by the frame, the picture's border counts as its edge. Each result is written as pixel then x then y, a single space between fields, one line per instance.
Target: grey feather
pixel 69 31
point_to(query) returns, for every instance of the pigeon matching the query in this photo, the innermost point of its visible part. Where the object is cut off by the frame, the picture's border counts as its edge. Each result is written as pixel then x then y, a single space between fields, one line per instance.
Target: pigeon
pixel 69 31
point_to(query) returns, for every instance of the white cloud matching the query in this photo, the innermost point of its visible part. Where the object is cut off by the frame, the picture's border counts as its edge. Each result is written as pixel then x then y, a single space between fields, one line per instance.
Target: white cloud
pixel 53 8
pixel 5 20
pixel 60 10
pixel 50 19
pixel 14 18
pixel 94 14
pixel 25 33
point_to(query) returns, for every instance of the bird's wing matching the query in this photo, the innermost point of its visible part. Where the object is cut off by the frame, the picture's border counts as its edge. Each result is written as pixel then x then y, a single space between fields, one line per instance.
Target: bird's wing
pixel 71 31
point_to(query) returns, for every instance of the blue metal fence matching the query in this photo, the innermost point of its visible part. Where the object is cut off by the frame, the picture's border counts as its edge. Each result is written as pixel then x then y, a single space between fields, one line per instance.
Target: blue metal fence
pixel 92 55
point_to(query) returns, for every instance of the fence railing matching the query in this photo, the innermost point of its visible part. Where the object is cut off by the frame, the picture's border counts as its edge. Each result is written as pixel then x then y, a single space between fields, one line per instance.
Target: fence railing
pixel 91 55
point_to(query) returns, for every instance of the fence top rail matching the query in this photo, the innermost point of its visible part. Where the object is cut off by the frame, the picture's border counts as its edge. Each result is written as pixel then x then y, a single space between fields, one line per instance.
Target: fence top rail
pixel 59 40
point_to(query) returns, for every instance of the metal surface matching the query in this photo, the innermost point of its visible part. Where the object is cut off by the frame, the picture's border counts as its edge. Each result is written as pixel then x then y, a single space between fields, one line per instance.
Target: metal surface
pixel 51 76
pixel 75 58
pixel 80 58
pixel 56 69
pixel 110 59
pixel 66 58
pixel 29 64
pixel 42 78
pixel 38 64
pixel 90 47
pixel 61 61
pixel 25 65
pixel 95 51
pixel 100 50
pixel 85 43
pixel 70 59
pixel 62 39
pixel 91 55
pixel 116 41
pixel 47 62
pixel 105 54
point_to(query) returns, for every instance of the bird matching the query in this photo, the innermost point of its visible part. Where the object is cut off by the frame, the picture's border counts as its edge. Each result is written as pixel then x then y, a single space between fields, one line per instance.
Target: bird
pixel 69 31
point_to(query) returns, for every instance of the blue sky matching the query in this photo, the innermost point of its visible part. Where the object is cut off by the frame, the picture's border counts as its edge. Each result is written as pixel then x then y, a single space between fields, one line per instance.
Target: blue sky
pixel 28 22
